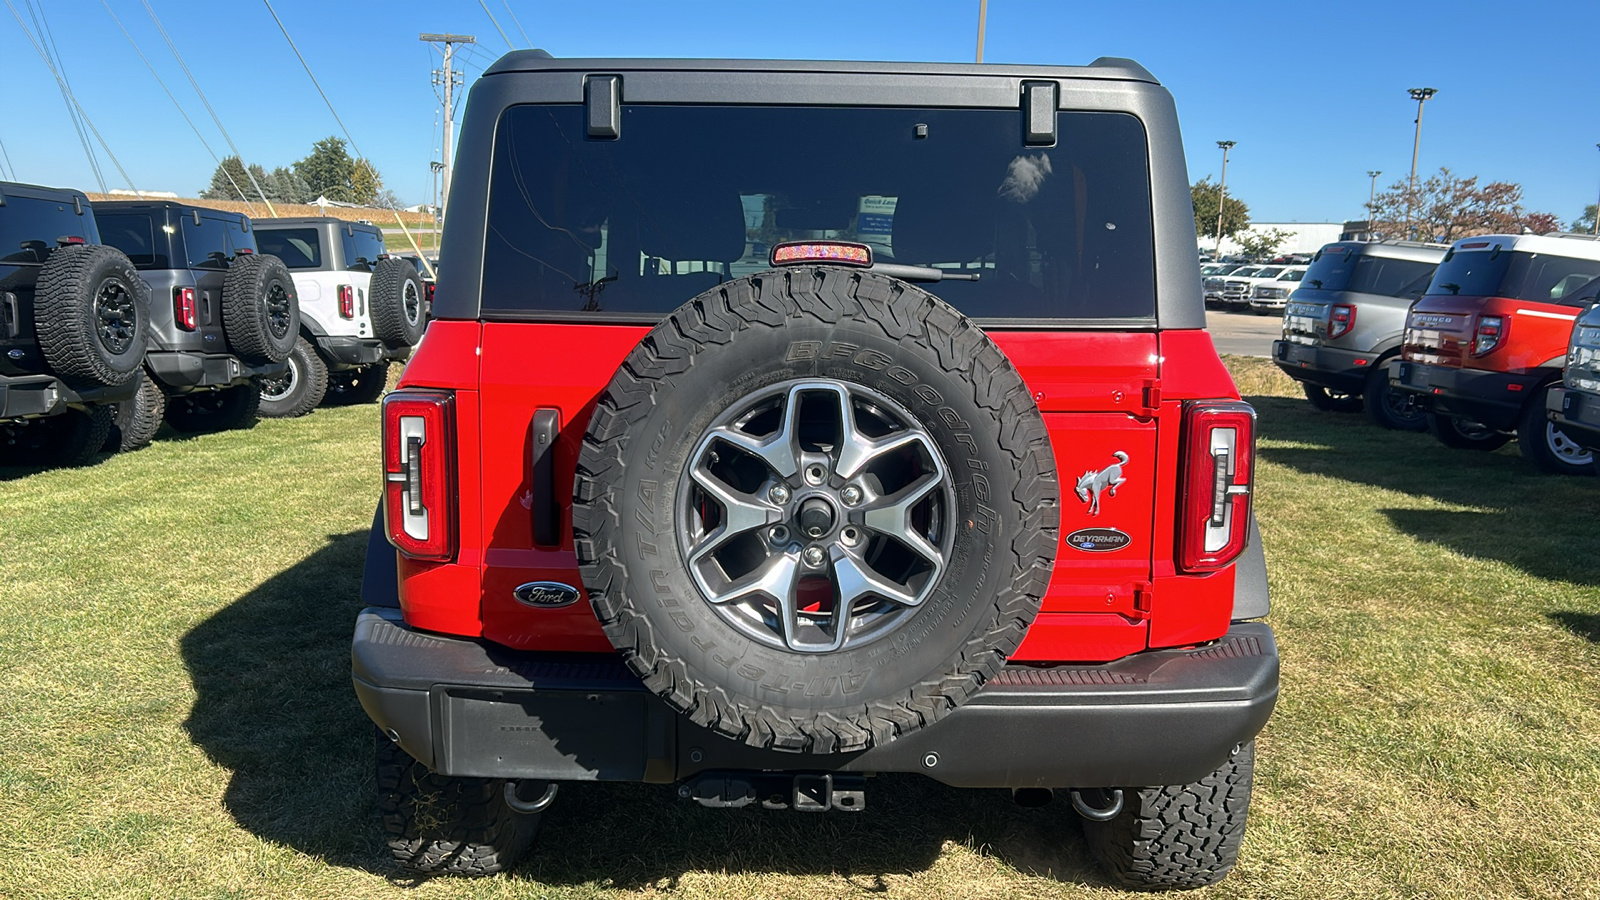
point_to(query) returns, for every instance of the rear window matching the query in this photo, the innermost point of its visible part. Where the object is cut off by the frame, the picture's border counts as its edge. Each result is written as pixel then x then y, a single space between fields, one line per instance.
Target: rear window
pixel 213 242
pixel 1535 277
pixel 1344 269
pixel 135 235
pixel 361 249
pixel 690 197
pixel 29 228
pixel 297 247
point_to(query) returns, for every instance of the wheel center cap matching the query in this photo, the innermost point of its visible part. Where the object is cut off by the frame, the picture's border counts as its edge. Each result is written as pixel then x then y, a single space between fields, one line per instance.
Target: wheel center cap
pixel 816 517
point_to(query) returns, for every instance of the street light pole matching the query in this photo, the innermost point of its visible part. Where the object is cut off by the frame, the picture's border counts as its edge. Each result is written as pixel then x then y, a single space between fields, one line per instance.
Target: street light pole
pixel 1420 95
pixel 1372 198
pixel 1222 191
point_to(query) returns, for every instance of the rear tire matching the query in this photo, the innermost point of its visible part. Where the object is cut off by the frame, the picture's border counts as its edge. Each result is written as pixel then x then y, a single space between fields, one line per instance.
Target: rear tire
pixel 1387 407
pixel 298 390
pixel 1331 401
pixel 1546 446
pixel 1459 434
pixel 73 438
pixel 436 825
pixel 135 422
pixel 1179 836
pixel 224 410
pixel 354 387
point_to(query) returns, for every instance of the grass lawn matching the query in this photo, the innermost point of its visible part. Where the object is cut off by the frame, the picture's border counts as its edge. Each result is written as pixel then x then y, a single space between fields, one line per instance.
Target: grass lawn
pixel 178 719
pixel 395 241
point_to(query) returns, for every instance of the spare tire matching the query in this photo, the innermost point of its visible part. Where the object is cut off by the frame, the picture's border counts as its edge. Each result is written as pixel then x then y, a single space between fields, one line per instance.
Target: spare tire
pixel 395 297
pixel 260 310
pixel 91 312
pixel 815 509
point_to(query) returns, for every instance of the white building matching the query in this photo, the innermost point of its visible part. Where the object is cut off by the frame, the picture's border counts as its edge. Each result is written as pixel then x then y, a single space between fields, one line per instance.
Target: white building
pixel 1306 237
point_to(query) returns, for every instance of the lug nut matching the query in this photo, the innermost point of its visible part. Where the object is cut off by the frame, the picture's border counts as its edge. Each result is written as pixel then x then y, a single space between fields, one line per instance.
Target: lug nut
pixel 814 557
pixel 779 534
pixel 851 495
pixel 779 494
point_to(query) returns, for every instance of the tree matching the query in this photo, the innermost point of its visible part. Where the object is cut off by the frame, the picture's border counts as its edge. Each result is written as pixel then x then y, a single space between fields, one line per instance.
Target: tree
pixel 221 188
pixel 284 186
pixel 1235 215
pixel 366 185
pixel 1261 244
pixel 1584 224
pixel 1444 208
pixel 328 171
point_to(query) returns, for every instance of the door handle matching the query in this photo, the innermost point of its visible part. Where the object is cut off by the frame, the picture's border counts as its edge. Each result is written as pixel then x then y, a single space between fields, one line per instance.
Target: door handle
pixel 546 508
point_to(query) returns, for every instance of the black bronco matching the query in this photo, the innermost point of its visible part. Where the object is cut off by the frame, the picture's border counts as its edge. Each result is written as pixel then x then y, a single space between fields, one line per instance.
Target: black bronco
pixel 74 318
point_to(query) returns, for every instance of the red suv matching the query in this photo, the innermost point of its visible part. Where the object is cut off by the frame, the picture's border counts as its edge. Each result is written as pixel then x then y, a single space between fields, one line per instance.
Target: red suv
pixel 782 423
pixel 1486 343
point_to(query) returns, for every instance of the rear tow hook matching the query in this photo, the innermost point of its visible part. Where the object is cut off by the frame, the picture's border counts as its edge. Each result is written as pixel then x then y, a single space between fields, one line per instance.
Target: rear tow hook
pixel 520 805
pixel 1105 813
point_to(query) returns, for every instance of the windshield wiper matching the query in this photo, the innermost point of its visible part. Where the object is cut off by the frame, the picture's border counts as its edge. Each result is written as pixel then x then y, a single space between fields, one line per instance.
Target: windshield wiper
pixel 921 273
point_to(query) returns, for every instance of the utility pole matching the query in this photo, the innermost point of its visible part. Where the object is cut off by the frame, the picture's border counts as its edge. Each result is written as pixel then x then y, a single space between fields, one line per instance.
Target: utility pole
pixel 1372 199
pixel 1597 208
pixel 450 80
pixel 1420 95
pixel 983 13
pixel 433 212
pixel 1222 192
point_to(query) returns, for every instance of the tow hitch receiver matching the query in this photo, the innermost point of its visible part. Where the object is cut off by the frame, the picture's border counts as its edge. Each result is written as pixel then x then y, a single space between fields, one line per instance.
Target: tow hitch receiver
pixel 808 792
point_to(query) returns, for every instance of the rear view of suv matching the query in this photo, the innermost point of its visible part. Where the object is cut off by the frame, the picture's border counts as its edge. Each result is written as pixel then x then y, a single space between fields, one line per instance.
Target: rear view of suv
pixel 1344 322
pixel 360 309
pixel 1574 405
pixel 724 469
pixel 74 318
pixel 1484 348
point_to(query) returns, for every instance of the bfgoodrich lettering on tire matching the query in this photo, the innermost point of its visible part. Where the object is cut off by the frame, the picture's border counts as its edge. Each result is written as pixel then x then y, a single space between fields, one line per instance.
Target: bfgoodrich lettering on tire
pixel 816 509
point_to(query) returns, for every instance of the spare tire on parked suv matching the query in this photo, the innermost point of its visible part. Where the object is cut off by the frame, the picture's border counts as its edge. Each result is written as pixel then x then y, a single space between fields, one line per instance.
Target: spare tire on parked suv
pixel 395 296
pixel 816 509
pixel 260 312
pixel 91 315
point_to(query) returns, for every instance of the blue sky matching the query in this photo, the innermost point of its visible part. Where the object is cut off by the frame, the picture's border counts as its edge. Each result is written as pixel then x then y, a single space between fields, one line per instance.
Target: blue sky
pixel 1314 94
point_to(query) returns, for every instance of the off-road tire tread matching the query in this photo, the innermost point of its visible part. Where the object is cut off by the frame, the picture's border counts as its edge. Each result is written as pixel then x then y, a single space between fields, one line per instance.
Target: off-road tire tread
pixel 311 386
pixel 828 295
pixel 240 407
pixel 369 387
pixel 437 825
pixel 388 306
pixel 1322 399
pixel 136 421
pixel 64 311
pixel 243 299
pixel 1179 836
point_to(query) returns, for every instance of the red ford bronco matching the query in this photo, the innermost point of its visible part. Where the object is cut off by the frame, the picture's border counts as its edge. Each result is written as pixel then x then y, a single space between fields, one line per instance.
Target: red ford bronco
pixel 785 423
pixel 1485 345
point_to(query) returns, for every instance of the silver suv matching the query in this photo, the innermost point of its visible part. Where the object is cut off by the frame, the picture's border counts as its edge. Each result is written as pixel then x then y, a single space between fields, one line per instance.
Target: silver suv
pixel 1345 322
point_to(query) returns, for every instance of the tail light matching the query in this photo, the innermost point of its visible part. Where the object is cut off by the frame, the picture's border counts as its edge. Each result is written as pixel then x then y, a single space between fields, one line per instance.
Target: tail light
pixel 347 301
pixel 418 489
pixel 1219 463
pixel 1341 319
pixel 242 251
pixel 183 308
pixel 1491 333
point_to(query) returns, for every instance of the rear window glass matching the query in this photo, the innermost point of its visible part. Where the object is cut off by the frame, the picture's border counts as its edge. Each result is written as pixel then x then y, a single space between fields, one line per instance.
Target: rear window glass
pixel 690 197
pixel 1343 269
pixel 297 247
pixel 361 249
pixel 1535 277
pixel 29 228
pixel 135 235
pixel 211 244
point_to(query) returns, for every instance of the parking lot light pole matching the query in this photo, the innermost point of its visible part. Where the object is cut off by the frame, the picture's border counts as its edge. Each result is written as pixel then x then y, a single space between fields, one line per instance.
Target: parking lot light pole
pixel 1222 192
pixel 1372 199
pixel 1420 95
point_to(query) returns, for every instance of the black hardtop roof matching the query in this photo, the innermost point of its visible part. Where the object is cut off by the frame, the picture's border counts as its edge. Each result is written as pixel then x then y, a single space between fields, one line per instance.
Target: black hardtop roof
pixel 312 220
pixel 117 205
pixel 39 192
pixel 1106 68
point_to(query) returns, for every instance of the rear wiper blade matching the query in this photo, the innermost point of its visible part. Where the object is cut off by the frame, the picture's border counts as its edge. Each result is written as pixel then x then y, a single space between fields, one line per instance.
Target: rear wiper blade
pixel 921 273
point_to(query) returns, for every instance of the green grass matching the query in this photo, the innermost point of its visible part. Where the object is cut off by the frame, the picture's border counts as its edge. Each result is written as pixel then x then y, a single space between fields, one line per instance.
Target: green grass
pixel 178 719
pixel 396 240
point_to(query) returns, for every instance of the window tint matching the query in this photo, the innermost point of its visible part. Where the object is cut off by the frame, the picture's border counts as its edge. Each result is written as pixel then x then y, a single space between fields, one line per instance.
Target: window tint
pixel 690 197
pixel 209 245
pixel 1339 268
pixel 29 228
pixel 1536 277
pixel 299 248
pixel 361 249
pixel 136 235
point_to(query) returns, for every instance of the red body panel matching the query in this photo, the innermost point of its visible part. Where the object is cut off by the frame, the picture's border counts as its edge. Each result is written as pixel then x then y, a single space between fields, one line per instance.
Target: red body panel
pixel 1101 393
pixel 1535 334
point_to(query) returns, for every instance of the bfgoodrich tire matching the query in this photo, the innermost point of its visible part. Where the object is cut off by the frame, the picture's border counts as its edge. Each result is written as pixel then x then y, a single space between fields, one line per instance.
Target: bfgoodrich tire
pixel 395 296
pixel 92 315
pixel 815 509
pixel 1459 434
pixel 260 310
pixel 300 388
pixel 1547 447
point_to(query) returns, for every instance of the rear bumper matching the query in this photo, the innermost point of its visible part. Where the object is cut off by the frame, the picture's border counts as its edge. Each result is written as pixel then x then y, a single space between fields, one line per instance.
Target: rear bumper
pixel 1329 367
pixel 344 351
pixel 1576 413
pixel 34 396
pixel 1494 399
pixel 181 371
pixel 469 708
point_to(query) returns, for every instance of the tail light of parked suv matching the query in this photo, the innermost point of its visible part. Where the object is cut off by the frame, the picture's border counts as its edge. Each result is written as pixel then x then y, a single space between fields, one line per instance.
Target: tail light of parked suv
pixel 418 489
pixel 1491 333
pixel 1219 466
pixel 1341 318
pixel 183 307
pixel 347 301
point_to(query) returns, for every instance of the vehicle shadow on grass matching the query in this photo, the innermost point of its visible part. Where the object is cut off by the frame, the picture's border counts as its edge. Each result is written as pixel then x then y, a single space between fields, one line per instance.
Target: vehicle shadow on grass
pixel 273 705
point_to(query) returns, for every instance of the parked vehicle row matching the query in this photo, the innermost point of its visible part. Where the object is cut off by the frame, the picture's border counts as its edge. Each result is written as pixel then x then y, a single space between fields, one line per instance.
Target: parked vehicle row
pixel 1249 287
pixel 117 316
pixel 1484 340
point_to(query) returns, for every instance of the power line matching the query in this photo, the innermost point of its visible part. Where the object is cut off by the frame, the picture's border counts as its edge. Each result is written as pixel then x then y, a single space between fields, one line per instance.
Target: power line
pixel 66 90
pixel 192 126
pixel 518 24
pixel 7 157
pixel 196 85
pixel 72 99
pixel 496 25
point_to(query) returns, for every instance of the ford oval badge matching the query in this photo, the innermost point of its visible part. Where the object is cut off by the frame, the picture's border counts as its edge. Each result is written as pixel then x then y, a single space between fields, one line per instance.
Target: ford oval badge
pixel 1098 540
pixel 546 594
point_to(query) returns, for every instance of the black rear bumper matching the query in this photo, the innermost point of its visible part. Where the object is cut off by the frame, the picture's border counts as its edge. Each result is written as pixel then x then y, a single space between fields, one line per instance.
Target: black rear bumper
pixel 33 396
pixel 1489 398
pixel 1576 413
pixel 181 371
pixel 469 708
pixel 1328 367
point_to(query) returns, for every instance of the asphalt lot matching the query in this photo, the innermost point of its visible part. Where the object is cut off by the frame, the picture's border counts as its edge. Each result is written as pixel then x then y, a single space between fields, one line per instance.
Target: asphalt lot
pixel 1243 334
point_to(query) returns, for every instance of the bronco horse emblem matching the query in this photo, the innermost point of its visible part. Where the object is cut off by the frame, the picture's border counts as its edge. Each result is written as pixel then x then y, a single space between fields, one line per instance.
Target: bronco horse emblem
pixel 1091 484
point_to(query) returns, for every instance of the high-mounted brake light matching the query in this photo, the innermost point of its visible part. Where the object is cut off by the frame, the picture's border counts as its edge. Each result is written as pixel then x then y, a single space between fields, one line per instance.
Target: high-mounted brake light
pixel 183 308
pixel 69 239
pixel 1341 319
pixel 347 301
pixel 838 252
pixel 1491 333
pixel 1219 467
pixel 242 251
pixel 418 487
